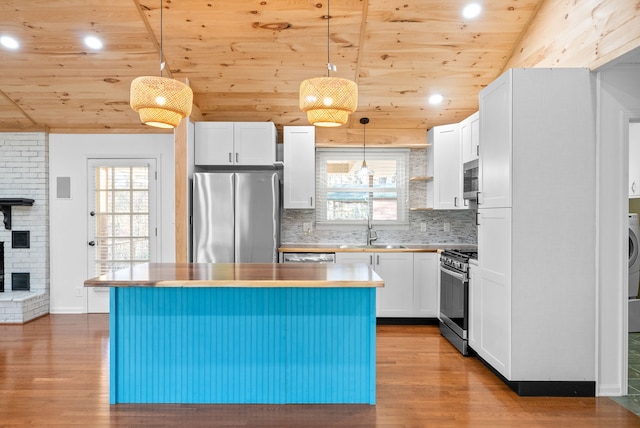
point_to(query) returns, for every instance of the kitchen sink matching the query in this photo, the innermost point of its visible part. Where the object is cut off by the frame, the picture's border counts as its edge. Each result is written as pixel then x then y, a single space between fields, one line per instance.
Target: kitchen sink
pixel 381 246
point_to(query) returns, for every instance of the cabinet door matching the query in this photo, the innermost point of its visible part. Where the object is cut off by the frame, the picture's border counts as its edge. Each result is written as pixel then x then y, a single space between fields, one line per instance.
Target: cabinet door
pixel 299 167
pixel 469 135
pixel 494 288
pixel 634 160
pixel 255 143
pixel 213 143
pixel 426 274
pixel 395 299
pixel 447 176
pixel 496 137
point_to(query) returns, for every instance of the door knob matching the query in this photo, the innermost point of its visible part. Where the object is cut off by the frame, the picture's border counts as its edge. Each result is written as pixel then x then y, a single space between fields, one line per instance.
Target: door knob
pixel 92 213
pixel 92 243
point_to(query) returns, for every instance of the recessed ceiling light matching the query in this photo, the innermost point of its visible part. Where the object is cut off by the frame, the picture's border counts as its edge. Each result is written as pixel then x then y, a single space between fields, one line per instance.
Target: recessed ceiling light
pixel 93 42
pixel 9 42
pixel 435 99
pixel 471 11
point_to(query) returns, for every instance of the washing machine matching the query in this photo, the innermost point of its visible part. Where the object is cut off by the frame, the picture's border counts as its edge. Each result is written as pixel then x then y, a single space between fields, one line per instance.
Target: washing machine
pixel 634 273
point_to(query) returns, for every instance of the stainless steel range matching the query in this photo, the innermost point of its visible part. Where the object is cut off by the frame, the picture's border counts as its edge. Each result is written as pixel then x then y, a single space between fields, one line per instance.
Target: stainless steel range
pixel 454 296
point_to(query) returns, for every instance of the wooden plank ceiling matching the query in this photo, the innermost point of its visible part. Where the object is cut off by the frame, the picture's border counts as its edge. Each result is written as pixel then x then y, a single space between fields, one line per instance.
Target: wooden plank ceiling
pixel 245 59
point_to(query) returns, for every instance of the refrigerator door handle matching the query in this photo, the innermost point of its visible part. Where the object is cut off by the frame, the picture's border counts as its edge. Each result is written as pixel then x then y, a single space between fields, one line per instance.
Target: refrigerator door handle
pixel 275 216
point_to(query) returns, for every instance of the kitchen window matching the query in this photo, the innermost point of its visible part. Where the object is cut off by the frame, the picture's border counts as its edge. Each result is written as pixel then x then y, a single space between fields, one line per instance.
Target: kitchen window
pixel 346 197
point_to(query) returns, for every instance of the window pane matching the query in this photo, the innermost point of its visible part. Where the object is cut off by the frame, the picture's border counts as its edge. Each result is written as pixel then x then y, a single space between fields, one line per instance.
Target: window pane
pixel 122 225
pixel 140 225
pixel 122 200
pixel 121 178
pixel 141 249
pixel 122 249
pixel 140 177
pixel 385 209
pixel 141 202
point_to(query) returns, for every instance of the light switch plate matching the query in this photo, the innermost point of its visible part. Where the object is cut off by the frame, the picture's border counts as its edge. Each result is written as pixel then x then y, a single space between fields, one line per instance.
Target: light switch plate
pixel 447 227
pixel 423 226
pixel 306 227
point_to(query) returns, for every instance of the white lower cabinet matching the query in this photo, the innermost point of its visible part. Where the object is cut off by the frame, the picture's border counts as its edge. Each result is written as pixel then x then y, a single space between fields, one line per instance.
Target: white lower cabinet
pixel 426 276
pixel 410 282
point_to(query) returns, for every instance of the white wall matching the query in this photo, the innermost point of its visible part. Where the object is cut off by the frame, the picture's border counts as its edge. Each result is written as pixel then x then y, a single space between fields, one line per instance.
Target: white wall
pixel 619 99
pixel 68 154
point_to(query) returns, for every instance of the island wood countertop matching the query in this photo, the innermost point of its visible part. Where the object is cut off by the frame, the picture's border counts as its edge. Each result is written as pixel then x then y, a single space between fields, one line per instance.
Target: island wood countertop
pixel 240 275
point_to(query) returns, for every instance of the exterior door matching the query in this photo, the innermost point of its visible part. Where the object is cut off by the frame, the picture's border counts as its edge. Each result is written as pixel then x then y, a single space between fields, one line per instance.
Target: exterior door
pixel 122 221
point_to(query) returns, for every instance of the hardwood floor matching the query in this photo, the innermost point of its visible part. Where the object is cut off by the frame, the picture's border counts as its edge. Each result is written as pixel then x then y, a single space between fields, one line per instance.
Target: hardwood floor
pixel 54 372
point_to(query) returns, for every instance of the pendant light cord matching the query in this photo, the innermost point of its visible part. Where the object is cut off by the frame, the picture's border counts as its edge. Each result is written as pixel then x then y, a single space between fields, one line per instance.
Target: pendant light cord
pixel 328 37
pixel 364 121
pixel 161 67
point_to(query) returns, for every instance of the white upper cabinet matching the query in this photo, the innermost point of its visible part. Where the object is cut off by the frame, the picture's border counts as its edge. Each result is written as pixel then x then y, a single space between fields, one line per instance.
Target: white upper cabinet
pixel 235 143
pixel 213 143
pixel 496 123
pixel 470 135
pixel 444 163
pixel 634 160
pixel 299 167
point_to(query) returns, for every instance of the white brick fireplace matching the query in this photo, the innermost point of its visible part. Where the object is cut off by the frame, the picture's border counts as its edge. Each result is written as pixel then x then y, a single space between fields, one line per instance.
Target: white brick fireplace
pixel 24 173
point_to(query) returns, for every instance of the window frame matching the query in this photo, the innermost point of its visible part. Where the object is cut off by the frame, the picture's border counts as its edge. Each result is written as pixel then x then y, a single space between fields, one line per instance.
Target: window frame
pixel 401 155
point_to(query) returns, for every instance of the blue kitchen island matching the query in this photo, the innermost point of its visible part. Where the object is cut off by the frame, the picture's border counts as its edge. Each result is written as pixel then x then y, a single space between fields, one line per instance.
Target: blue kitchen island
pixel 242 333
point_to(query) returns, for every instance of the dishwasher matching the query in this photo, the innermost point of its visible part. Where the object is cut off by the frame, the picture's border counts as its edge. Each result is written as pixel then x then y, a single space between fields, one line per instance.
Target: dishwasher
pixel 308 257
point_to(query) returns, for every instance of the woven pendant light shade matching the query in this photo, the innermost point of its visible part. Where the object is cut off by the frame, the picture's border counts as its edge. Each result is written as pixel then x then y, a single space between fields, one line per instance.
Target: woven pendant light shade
pixel 160 101
pixel 328 101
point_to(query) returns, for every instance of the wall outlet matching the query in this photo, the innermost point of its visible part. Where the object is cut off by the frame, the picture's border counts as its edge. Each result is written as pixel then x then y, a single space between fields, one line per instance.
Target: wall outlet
pixel 423 226
pixel 447 227
pixel 306 227
pixel 78 291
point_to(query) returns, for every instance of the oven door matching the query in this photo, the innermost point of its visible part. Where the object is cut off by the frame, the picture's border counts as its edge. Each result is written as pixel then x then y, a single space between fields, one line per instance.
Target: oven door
pixel 454 294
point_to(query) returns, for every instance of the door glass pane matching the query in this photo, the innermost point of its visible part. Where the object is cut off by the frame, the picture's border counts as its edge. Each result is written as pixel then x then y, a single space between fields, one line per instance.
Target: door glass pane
pixel 121 217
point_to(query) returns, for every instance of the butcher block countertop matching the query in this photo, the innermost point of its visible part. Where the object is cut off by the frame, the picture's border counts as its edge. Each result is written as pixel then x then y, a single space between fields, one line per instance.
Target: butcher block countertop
pixel 240 275
pixel 338 248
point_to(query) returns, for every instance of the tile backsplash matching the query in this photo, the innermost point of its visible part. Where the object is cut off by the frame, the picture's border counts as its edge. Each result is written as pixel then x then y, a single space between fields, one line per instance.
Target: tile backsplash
pixel 461 230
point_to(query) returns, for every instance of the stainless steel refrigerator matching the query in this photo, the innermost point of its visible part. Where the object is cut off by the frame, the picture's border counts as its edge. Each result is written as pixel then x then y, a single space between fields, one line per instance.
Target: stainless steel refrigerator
pixel 236 217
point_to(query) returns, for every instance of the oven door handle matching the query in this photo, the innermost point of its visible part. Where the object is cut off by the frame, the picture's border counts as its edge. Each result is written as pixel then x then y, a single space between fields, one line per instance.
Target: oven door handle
pixel 455 274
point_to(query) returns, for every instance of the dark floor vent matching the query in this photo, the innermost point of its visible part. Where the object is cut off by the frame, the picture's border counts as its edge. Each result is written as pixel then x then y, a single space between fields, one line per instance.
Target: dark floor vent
pixel 20 281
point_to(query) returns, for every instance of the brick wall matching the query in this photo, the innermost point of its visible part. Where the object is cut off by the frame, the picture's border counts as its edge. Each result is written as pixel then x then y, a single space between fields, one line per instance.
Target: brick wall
pixel 24 173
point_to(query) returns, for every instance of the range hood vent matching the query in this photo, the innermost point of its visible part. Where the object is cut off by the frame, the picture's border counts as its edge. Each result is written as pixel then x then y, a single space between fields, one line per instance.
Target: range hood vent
pixel 7 203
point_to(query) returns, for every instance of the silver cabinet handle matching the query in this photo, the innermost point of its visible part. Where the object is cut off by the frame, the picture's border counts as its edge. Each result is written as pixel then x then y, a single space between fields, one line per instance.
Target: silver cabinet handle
pixel 633 187
pixel 478 198
pixel 236 157
pixel 378 260
pixel 92 243
pixel 311 201
pixel 455 201
pixel 230 160
pixel 370 259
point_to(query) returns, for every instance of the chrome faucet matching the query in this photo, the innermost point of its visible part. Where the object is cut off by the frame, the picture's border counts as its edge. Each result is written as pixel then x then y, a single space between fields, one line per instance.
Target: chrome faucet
pixel 372 235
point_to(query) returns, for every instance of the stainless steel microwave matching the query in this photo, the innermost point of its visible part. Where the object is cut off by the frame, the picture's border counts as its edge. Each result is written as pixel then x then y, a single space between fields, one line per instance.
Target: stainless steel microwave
pixel 471 172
